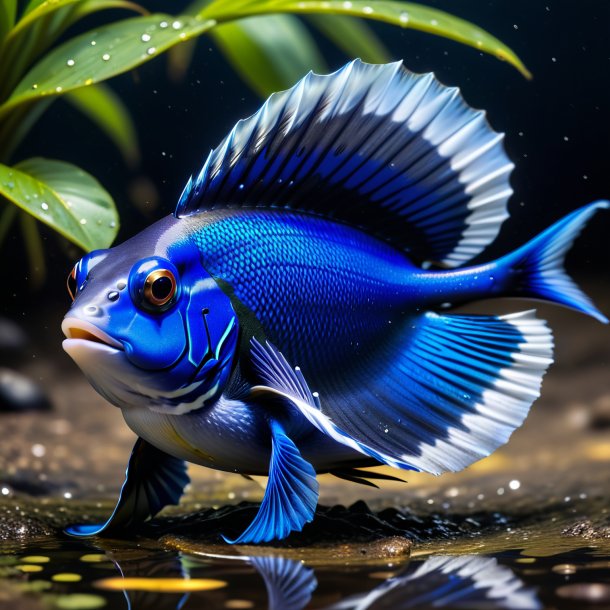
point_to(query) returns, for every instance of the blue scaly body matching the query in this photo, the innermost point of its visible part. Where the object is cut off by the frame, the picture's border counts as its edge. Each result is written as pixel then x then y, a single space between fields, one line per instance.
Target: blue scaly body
pixel 284 320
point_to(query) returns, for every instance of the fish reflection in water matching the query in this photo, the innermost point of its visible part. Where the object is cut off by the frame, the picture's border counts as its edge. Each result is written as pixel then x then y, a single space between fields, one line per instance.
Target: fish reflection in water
pixel 466 582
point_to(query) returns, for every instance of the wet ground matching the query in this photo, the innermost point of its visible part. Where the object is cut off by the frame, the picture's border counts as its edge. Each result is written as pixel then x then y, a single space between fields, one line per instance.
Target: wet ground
pixel 528 527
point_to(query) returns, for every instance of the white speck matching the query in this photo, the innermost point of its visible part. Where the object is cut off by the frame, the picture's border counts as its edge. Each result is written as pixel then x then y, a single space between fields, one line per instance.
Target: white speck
pixel 433 22
pixel 34 86
pixel 553 59
pixel 567 499
pixel 403 17
pixel 106 56
pixel 38 450
pixel 112 224
pixel 163 25
pixel 151 50
pixel 67 495
pixel 231 495
pixel 347 5
pixel 500 491
pixel 83 221
pixel 515 26
pixel 452 492
pixel 241 187
pixel 58 89
pixel 182 35
pixel 386 430
pixel 367 10
pixel 582 496
pixel 44 206
pixel 176 25
pixel 514 484
pixel 93 43
pixel 481 497
pixel 315 394
pixel 5 491
pixel 70 63
pixel 565 138
pixel 145 37
pixel 521 133
pixel 585 177
pixel 430 501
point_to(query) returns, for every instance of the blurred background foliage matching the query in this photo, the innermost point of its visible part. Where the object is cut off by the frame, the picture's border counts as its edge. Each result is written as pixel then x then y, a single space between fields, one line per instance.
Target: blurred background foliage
pixel 66 49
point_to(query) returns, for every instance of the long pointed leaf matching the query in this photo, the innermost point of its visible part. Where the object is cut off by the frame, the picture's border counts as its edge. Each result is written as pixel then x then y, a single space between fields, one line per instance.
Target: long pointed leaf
pixel 101 54
pixel 8 12
pixel 404 14
pixel 40 28
pixel 64 197
pixel 353 36
pixel 106 109
pixel 270 53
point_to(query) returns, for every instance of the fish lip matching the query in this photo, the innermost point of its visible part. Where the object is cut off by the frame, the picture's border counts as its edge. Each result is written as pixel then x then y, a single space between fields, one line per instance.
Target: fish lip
pixel 76 329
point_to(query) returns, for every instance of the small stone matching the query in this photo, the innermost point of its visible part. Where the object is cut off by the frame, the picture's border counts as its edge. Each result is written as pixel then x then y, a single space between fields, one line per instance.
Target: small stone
pixel 19 393
pixel 12 338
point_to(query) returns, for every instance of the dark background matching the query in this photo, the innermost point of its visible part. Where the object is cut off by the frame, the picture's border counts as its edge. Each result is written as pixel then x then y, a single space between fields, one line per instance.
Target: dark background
pixel 557 126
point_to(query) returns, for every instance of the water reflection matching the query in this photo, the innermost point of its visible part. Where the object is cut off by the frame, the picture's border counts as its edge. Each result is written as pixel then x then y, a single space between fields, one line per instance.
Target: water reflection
pixel 467 582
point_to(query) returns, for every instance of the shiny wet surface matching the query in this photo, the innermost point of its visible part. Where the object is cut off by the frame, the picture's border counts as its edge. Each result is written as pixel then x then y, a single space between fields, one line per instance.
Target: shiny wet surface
pixel 533 520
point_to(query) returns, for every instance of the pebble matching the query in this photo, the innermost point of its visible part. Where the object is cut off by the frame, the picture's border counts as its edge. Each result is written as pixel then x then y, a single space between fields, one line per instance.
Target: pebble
pixel 20 393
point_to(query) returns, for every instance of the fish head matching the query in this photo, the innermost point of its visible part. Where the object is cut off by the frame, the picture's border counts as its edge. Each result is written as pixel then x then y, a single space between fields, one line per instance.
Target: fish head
pixel 152 330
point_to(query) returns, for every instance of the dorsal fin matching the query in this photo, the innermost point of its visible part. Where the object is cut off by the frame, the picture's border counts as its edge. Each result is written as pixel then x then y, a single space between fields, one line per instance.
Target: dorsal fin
pixel 377 146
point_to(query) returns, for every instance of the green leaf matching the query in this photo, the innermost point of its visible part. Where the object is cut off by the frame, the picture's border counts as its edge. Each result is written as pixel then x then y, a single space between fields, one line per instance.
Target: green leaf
pixel 37 30
pixel 8 12
pixel 64 197
pixel 102 54
pixel 353 36
pixel 269 53
pixel 404 14
pixel 106 109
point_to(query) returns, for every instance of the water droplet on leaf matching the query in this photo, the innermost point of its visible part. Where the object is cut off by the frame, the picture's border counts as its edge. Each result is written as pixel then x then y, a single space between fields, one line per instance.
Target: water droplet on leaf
pixel 106 56
pixel 70 63
pixel 145 37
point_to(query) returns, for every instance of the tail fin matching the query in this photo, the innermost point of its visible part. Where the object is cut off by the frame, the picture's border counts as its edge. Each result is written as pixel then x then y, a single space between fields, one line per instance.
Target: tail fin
pixel 540 263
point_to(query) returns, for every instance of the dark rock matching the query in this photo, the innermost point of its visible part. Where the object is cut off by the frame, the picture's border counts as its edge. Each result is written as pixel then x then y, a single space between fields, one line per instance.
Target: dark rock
pixel 12 338
pixel 19 393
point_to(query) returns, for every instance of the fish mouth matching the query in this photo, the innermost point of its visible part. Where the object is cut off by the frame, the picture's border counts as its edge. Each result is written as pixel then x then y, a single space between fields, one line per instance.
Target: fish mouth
pixel 78 330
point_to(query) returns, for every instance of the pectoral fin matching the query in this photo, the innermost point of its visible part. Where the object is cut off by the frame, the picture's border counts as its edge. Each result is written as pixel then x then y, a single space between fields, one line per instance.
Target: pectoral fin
pixel 291 495
pixel 153 480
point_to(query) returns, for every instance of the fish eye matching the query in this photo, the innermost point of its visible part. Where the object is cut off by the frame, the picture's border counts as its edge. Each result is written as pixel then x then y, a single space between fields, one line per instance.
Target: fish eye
pixel 159 287
pixel 71 283
pixel 154 284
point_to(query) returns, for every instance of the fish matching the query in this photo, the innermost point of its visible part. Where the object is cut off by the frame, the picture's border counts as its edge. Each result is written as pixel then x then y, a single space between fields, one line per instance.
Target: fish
pixel 292 316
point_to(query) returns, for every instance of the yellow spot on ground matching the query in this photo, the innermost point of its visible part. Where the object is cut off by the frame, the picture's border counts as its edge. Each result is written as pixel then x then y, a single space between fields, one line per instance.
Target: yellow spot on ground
pixel 160 585
pixel 94 558
pixel 599 452
pixel 79 601
pixel 36 559
pixel 238 604
pixel 29 568
pixel 66 577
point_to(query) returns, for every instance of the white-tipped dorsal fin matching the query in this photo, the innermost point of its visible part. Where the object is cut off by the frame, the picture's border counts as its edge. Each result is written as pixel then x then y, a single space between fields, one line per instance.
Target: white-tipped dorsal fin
pixel 377 146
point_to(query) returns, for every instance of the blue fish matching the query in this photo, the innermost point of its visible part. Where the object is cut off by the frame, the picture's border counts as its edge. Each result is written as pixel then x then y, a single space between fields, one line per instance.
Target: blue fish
pixel 290 317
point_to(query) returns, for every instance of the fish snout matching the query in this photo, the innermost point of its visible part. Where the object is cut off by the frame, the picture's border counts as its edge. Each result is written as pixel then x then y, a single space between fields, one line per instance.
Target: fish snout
pixel 77 329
